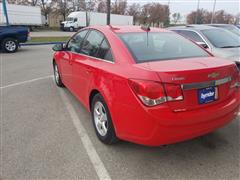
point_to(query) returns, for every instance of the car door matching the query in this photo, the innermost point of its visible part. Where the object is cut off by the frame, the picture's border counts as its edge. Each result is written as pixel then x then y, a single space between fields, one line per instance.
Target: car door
pixel 72 48
pixel 82 69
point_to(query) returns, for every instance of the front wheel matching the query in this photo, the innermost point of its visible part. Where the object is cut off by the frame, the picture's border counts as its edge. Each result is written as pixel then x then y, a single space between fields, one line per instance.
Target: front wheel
pixel 71 29
pixel 102 121
pixel 57 76
pixel 10 45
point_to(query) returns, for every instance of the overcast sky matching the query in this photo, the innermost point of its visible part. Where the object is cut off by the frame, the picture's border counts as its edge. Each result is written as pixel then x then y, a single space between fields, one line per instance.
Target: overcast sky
pixel 186 6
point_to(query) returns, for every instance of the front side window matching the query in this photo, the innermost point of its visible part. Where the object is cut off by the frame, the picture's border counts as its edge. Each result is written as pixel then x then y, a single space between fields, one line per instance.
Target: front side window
pixel 221 38
pixel 75 42
pixel 92 43
pixel 155 46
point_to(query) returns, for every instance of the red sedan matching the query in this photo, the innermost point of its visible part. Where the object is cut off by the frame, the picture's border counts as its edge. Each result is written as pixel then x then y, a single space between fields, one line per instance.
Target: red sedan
pixel 147 86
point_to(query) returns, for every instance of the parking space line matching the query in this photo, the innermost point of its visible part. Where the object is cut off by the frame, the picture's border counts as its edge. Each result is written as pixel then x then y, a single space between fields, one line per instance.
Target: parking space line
pixel 25 82
pixel 87 143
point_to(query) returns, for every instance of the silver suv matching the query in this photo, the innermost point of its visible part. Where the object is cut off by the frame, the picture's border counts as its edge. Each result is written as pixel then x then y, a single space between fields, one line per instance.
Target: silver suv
pixel 220 42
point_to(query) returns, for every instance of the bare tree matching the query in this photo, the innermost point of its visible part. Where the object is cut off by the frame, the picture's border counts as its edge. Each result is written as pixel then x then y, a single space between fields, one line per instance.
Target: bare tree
pixel 24 2
pixel 145 14
pixel 45 8
pixel 61 7
pixel 197 16
pixel 154 14
pixel 176 17
pixel 204 17
pixel 102 6
pixel 237 19
pixel 223 17
pixel 134 10
pixel 119 7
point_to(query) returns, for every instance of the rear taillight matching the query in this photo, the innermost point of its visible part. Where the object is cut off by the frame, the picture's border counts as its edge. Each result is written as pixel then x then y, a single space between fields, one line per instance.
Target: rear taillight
pixel 153 93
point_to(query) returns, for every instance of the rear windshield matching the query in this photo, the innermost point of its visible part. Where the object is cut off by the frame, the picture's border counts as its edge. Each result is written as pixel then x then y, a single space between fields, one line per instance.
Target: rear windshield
pixel 155 46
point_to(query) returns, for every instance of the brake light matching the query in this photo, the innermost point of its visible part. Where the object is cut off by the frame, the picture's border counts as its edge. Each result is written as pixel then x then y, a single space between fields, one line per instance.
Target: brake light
pixel 153 93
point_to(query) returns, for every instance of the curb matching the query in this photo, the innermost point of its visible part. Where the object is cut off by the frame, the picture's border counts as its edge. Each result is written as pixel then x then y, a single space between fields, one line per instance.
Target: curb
pixel 40 43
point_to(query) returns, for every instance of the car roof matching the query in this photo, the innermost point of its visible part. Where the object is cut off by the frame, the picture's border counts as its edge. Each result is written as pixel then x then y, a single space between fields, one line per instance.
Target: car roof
pixel 196 27
pixel 220 25
pixel 127 29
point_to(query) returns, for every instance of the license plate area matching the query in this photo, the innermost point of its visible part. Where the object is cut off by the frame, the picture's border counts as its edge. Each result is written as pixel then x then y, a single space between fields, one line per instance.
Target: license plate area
pixel 207 95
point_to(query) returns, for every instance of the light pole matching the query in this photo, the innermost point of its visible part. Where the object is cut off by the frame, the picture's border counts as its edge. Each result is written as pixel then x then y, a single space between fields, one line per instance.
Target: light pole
pixel 5 11
pixel 213 12
pixel 108 11
pixel 196 18
pixel 169 2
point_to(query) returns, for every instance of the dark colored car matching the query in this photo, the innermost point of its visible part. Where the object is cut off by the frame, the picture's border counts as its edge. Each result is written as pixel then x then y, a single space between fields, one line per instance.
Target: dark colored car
pixel 11 37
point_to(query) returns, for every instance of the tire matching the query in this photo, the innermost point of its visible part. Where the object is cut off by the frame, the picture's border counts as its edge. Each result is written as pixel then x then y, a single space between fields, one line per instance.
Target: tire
pixel 57 76
pixel 71 29
pixel 9 45
pixel 102 121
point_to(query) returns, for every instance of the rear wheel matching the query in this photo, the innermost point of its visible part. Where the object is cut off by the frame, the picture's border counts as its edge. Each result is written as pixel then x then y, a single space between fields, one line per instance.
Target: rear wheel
pixel 57 76
pixel 102 121
pixel 9 45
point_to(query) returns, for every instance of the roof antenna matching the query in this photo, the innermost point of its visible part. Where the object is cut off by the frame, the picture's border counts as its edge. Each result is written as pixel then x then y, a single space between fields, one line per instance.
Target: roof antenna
pixel 147 29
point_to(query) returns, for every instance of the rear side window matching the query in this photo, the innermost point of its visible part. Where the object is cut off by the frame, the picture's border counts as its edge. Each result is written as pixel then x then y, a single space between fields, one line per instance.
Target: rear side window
pixel 92 43
pixel 75 42
pixel 192 35
pixel 105 52
pixel 155 46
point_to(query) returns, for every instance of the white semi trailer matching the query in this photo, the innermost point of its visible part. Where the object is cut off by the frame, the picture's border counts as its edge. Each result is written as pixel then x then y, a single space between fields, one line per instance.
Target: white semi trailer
pixel 22 15
pixel 80 19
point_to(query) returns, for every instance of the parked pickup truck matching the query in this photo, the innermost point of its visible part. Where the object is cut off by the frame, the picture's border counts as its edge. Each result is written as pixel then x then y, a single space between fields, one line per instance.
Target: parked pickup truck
pixel 11 36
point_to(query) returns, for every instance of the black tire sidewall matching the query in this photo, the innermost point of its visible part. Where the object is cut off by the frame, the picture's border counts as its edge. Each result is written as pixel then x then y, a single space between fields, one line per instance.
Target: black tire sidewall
pixel 71 29
pixel 3 45
pixel 110 137
pixel 60 83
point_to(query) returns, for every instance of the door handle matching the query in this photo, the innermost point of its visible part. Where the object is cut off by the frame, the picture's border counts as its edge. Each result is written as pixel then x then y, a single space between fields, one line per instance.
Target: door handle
pixel 88 70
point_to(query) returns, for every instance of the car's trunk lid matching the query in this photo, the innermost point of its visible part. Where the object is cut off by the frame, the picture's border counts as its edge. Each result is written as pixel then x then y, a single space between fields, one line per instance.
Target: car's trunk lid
pixel 198 78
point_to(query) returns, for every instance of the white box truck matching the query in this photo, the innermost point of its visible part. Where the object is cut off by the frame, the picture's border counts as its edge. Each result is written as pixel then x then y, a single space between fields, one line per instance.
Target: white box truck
pixel 80 19
pixel 22 15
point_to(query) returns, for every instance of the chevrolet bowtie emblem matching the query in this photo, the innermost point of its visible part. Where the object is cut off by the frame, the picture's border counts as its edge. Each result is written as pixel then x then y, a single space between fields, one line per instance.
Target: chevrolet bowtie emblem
pixel 213 75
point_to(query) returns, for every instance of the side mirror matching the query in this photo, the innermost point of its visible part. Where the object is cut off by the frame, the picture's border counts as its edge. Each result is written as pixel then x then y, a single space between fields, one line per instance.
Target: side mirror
pixel 204 45
pixel 58 47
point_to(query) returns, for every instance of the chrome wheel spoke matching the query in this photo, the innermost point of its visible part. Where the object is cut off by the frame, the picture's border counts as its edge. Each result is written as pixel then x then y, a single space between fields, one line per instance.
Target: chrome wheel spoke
pixel 104 128
pixel 10 45
pixel 100 118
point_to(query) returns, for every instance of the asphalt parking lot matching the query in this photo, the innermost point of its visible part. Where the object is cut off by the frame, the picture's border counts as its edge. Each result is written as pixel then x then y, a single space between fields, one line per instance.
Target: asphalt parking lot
pixel 47 134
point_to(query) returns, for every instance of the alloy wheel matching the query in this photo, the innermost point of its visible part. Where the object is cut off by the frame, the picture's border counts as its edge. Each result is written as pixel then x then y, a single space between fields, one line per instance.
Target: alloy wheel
pixel 56 74
pixel 100 118
pixel 10 46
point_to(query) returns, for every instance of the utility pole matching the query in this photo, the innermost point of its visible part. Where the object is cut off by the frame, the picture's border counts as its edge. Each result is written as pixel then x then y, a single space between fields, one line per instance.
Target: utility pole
pixel 169 2
pixel 108 11
pixel 213 12
pixel 5 11
pixel 196 18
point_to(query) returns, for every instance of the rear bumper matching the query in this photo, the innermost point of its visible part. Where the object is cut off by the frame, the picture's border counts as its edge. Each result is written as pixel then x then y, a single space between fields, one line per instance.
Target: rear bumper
pixel 173 134
pixel 159 126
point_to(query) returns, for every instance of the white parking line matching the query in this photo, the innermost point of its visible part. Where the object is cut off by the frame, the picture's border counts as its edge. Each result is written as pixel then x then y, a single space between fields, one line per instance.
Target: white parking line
pixel 25 82
pixel 88 145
